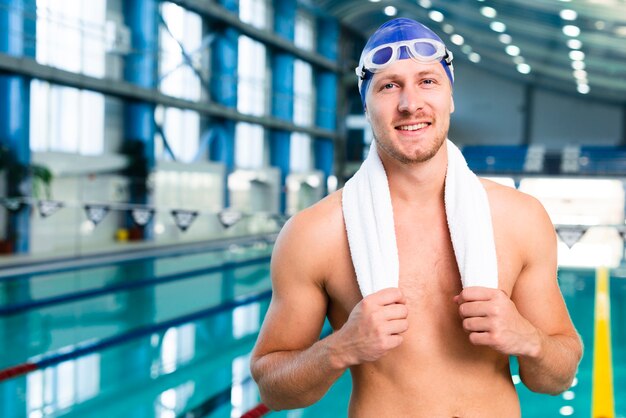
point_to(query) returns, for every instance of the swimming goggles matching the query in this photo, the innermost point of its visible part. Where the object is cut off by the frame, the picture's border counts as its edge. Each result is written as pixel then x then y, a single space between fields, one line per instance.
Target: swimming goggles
pixel 423 50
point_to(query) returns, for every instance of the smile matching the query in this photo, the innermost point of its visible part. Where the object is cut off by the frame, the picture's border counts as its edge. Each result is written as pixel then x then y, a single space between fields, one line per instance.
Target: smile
pixel 415 127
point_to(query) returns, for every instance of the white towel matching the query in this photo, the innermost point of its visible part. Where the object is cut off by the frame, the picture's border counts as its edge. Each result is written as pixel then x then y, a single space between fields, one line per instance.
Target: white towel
pixel 368 216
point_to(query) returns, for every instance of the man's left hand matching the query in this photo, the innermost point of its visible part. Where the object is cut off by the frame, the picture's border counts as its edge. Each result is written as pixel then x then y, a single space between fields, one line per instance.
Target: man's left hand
pixel 491 319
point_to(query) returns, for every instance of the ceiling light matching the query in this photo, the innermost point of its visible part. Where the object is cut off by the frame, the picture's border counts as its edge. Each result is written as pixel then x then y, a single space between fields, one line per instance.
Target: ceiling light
pixel 497 26
pixel 568 14
pixel 512 50
pixel 466 49
pixel 448 28
pixel 436 15
pixel 600 25
pixel 577 55
pixel 578 65
pixel 571 30
pixel 567 410
pixel 375 1
pixel 574 44
pixel 390 11
pixel 474 57
pixel 523 68
pixel 426 4
pixel 457 39
pixel 583 88
pixel 565 1
pixel 489 12
pixel 505 38
pixel 580 74
pixel 519 59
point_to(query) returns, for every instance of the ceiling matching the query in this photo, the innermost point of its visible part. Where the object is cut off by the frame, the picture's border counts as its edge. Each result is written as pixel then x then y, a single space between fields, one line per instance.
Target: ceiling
pixel 521 39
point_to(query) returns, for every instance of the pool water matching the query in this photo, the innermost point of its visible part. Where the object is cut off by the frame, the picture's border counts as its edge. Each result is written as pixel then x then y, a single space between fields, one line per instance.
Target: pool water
pixel 171 336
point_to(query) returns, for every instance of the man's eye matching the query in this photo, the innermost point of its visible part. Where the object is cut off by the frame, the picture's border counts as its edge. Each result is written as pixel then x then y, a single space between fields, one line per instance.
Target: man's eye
pixel 388 86
pixel 429 81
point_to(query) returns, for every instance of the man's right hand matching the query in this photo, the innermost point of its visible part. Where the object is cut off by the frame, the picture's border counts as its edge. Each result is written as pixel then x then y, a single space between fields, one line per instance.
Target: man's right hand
pixel 374 327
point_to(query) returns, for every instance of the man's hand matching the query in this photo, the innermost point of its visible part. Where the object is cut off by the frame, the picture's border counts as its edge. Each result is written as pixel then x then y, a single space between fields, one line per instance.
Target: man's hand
pixel 374 327
pixel 491 319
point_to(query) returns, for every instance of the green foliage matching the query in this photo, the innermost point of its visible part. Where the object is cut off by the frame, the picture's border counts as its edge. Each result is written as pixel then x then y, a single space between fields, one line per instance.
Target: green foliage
pixel 17 173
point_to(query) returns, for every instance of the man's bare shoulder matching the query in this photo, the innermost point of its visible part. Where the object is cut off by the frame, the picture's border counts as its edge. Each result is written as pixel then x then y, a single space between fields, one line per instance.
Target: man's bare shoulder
pixel 315 233
pixel 521 216
pixel 508 201
pixel 323 218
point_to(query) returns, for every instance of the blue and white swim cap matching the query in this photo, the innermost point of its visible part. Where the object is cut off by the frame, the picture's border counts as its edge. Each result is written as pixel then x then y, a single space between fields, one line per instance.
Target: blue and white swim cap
pixel 398 39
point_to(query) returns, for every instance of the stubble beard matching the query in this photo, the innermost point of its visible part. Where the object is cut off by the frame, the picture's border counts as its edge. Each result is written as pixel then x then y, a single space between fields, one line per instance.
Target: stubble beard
pixel 394 152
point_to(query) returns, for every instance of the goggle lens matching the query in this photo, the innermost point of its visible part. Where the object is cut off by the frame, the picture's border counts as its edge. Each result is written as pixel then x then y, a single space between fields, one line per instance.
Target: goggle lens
pixel 424 50
pixel 382 56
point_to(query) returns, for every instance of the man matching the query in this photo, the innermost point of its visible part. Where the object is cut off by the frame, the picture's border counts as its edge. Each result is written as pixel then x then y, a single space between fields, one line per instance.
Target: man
pixel 427 348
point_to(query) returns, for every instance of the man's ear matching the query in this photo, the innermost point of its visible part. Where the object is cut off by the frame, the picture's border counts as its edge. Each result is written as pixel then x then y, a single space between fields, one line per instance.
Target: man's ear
pixel 451 104
pixel 367 115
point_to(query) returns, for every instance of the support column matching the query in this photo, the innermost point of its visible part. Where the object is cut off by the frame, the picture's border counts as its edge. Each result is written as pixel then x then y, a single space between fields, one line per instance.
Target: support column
pixel 17 38
pixel 326 105
pixel 141 68
pixel 282 93
pixel 223 89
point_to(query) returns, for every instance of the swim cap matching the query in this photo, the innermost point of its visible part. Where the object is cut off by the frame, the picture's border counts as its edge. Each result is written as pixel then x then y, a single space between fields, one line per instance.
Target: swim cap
pixel 401 38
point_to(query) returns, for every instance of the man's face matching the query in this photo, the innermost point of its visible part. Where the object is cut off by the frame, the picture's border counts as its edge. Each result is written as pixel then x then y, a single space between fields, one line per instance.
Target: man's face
pixel 409 106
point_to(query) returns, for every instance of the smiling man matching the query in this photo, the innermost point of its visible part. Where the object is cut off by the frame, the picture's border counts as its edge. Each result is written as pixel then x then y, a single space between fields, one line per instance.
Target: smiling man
pixel 426 347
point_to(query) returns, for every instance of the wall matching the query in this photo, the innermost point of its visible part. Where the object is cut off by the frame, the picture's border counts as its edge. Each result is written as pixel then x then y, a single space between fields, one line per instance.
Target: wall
pixel 488 109
pixel 492 110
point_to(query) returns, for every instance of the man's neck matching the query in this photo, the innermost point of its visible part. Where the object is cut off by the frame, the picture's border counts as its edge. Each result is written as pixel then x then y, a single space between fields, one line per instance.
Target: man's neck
pixel 416 183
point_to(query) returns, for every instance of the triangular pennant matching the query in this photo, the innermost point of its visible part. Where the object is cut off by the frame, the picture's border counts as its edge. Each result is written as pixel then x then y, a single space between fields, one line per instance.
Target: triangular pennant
pixel 96 213
pixel 141 216
pixel 229 217
pixel 184 218
pixel 49 207
pixel 571 234
pixel 621 230
pixel 13 205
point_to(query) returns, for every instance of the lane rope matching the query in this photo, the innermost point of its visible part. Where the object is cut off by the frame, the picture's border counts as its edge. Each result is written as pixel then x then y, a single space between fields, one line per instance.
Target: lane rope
pixel 602 399
pixel 256 412
pixel 88 347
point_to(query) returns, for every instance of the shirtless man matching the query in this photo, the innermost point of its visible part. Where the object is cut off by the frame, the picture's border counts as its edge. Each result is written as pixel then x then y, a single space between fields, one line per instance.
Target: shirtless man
pixel 427 348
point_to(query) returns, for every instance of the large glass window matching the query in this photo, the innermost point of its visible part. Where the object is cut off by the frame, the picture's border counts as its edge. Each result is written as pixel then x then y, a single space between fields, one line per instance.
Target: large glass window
pixel 301 158
pixel 181 55
pixel 252 87
pixel 254 12
pixel 70 35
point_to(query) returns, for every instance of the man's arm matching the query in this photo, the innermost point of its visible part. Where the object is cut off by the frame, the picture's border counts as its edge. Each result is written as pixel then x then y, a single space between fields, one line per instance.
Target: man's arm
pixel 533 324
pixel 291 367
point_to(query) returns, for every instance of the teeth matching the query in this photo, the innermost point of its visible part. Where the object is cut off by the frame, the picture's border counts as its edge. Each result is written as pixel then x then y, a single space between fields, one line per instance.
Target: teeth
pixel 413 127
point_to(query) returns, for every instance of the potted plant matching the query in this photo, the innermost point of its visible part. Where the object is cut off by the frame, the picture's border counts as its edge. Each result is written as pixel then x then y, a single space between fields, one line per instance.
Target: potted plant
pixel 20 181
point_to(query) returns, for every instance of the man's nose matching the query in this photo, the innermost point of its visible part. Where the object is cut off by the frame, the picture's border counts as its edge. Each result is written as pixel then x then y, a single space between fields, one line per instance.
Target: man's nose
pixel 410 101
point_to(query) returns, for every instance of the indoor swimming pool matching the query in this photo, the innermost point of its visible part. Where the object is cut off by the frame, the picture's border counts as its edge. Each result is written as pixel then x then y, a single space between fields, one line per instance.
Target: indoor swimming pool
pixel 170 336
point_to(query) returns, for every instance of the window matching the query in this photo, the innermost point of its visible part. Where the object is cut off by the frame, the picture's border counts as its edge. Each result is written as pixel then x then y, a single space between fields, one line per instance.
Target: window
pixel 304 31
pixel 301 158
pixel 254 12
pixel 252 87
pixel 182 53
pixel 70 36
